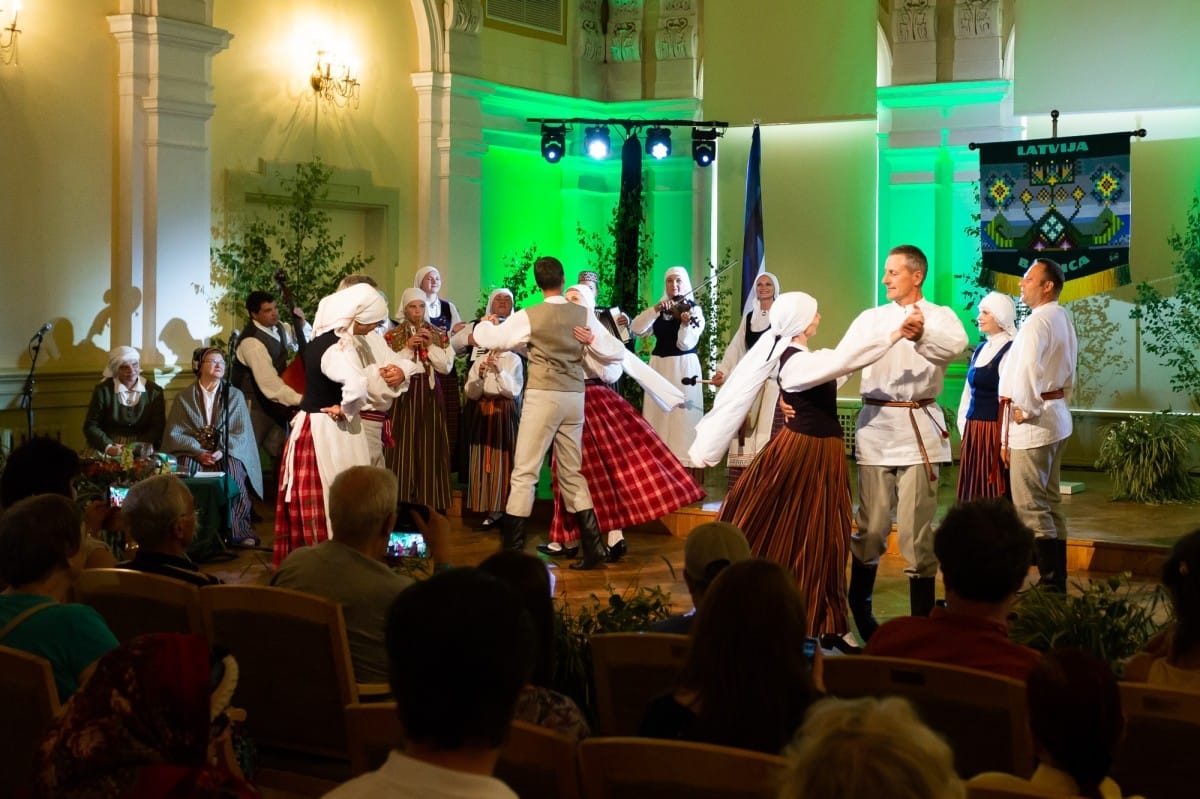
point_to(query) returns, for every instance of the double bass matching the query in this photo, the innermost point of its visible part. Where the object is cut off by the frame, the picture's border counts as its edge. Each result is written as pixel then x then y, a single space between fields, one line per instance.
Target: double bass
pixel 293 375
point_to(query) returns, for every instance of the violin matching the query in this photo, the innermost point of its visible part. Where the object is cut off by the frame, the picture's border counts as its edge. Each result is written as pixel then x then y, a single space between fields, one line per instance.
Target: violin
pixel 677 306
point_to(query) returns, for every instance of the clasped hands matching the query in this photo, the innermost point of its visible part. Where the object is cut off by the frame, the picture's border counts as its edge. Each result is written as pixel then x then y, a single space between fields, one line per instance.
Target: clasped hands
pixel 913 325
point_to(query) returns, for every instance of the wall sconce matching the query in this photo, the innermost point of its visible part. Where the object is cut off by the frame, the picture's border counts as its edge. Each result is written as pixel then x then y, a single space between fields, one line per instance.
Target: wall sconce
pixel 9 35
pixel 334 82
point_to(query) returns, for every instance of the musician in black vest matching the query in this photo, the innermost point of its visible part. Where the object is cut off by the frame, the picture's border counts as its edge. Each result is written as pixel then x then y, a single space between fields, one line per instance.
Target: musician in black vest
pixel 262 354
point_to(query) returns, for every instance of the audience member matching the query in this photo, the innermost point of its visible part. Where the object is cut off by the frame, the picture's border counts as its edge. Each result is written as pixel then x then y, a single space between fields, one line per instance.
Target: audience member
pixel 1172 658
pixel 349 568
pixel 44 466
pixel 1076 720
pixel 865 749
pixel 708 549
pixel 40 557
pixel 460 647
pixel 153 721
pixel 985 551
pixel 746 681
pixel 159 514
pixel 538 703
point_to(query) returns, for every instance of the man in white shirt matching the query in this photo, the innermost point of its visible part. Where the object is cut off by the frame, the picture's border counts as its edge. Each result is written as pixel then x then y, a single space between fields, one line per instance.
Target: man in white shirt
pixel 901 434
pixel 1036 380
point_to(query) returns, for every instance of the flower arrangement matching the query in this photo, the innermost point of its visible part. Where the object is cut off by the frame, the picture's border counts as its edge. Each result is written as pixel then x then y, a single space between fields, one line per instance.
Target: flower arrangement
pixel 99 474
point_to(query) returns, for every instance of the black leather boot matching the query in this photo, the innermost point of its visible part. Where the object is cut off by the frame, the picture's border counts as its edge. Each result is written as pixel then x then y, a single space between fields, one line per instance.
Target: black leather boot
pixel 862 586
pixel 1051 554
pixel 921 594
pixel 591 541
pixel 512 532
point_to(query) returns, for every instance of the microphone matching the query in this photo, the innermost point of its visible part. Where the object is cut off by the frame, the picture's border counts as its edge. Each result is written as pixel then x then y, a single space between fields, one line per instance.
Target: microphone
pixel 43 330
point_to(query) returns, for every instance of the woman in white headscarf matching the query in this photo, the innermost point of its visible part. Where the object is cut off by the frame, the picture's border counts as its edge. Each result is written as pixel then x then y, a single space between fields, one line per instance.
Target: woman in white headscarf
pixel 421 458
pixel 327 435
pixel 493 389
pixel 443 315
pixel 632 475
pixel 764 418
pixel 981 472
pixel 125 407
pixel 793 502
pixel 676 328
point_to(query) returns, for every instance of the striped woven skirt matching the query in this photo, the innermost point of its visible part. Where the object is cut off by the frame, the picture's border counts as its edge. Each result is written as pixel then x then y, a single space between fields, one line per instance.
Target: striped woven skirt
pixel 493 439
pixel 631 474
pixel 981 473
pixel 421 458
pixel 241 526
pixel 793 504
pixel 300 522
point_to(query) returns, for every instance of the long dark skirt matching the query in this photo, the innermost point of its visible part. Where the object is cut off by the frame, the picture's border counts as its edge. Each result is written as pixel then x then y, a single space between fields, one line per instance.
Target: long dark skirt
pixel 493 439
pixel 981 473
pixel 421 457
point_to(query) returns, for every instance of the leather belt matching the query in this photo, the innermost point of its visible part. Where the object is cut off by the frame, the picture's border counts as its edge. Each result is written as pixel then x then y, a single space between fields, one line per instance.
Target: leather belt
pixel 386 418
pixel 1006 408
pixel 912 406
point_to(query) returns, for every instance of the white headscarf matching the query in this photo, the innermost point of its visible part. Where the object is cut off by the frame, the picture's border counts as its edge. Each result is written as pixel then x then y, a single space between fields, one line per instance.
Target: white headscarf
pixel 686 291
pixel 118 356
pixel 492 298
pixel 790 315
pixel 1003 310
pixel 585 294
pixel 361 303
pixel 752 303
pixel 411 295
pixel 433 306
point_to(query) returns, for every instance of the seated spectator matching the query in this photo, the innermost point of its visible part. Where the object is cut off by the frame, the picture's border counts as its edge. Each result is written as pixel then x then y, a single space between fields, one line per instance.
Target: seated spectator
pixel 865 749
pixel 40 557
pixel 1172 658
pixel 125 407
pixel 708 549
pixel 538 703
pixel 44 466
pixel 350 568
pixel 460 648
pixel 1076 720
pixel 985 552
pixel 153 721
pixel 746 681
pixel 159 514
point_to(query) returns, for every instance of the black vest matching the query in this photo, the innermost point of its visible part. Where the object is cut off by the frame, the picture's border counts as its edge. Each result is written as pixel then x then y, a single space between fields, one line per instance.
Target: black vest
pixel 985 386
pixel 816 408
pixel 319 391
pixel 243 378
pixel 666 334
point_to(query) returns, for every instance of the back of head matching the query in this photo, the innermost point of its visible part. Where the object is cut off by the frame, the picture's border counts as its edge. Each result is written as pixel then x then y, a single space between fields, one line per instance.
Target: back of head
pixel 1075 715
pixel 984 549
pixel 1181 578
pixel 38 535
pixel 354 280
pixel 548 272
pixel 866 749
pixel 152 507
pixel 39 466
pixel 747 659
pixel 914 256
pixel 460 647
pixel 361 499
pixel 527 576
pixel 708 550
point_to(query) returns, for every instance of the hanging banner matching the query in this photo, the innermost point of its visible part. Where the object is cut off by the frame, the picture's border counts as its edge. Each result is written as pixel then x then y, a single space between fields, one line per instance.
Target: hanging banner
pixel 1065 199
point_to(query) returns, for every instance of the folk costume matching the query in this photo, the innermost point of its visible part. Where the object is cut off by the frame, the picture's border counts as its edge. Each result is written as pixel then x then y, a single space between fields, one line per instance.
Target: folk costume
pixel 443 315
pixel 120 414
pixel 321 446
pixel 793 502
pixel 981 472
pixel 674 358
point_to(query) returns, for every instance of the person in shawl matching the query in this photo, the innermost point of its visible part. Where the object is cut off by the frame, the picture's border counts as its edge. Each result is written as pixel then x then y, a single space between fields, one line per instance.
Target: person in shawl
pixel 631 474
pixel 200 417
pixel 125 407
pixel 421 458
pixel 981 472
pixel 676 334
pixel 793 502
pixel 327 434
pixel 443 315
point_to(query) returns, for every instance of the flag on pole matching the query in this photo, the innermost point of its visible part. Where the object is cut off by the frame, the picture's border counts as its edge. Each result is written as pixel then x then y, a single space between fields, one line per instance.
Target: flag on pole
pixel 753 253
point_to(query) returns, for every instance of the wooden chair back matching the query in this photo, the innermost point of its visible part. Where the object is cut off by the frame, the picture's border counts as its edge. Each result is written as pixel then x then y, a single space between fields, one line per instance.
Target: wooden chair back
pixel 372 730
pixel 983 716
pixel 977 792
pixel 1162 727
pixel 30 702
pixel 629 671
pixel 135 603
pixel 294 673
pixel 644 768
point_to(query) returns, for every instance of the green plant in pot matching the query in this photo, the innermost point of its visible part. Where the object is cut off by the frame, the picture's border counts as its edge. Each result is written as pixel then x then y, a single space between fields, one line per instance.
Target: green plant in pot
pixel 1147 456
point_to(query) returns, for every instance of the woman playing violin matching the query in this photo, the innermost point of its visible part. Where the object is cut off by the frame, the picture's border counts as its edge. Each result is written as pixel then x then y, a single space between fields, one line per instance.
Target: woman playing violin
pixel 676 323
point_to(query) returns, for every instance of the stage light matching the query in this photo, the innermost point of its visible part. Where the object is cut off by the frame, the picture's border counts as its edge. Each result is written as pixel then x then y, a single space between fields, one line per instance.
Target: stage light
pixel 596 142
pixel 704 146
pixel 554 142
pixel 658 142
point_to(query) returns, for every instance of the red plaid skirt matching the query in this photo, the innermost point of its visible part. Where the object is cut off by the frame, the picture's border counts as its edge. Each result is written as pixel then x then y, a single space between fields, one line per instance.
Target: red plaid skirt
pixel 981 473
pixel 301 522
pixel 631 474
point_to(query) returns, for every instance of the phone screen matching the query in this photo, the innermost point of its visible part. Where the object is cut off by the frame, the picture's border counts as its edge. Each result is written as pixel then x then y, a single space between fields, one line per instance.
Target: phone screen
pixel 406 545
pixel 116 495
pixel 810 650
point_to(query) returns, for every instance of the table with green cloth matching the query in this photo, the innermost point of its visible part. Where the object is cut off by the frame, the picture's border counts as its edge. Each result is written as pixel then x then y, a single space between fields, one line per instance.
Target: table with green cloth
pixel 214 497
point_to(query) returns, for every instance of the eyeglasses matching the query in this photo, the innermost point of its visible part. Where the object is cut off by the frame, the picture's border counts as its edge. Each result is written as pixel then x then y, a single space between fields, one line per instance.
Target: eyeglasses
pixel 220 361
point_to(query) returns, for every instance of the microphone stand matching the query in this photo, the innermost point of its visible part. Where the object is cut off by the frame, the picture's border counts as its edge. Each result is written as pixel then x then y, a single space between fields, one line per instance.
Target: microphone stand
pixel 35 349
pixel 225 386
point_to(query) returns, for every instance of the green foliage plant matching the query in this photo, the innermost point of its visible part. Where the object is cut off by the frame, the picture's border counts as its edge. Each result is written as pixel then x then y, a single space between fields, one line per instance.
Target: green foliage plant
pixel 1147 457
pixel 721 318
pixel 295 238
pixel 517 277
pixel 1170 325
pixel 1111 618
pixel 1101 349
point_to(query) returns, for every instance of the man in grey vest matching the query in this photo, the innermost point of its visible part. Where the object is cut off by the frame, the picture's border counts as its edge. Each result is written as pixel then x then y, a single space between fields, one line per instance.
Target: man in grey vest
pixel 555 333
pixel 261 356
